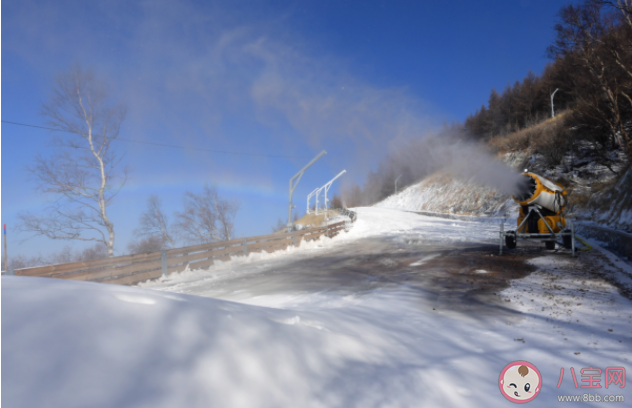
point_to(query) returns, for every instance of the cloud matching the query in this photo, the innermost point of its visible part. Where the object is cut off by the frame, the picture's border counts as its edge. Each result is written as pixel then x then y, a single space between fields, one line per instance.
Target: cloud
pixel 188 69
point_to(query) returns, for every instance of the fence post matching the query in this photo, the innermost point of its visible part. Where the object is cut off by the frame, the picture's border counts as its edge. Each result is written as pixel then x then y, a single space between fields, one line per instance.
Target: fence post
pixel 6 256
pixel 294 237
pixel 163 261
pixel 245 247
pixel 573 238
pixel 502 232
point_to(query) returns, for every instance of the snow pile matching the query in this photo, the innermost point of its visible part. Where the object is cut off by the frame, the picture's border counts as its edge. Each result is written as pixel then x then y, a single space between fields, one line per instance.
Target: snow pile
pixel 444 193
pixel 470 183
pixel 75 344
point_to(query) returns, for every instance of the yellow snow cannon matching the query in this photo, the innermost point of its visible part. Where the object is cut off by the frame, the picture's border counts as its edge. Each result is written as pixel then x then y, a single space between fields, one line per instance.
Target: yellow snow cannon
pixel 542 203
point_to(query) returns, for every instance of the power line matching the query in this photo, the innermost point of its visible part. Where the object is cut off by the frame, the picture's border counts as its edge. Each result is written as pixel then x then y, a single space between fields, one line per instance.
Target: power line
pixel 167 145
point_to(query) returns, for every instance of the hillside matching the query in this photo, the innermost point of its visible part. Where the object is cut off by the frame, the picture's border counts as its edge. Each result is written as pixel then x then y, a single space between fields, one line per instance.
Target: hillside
pixel 585 147
pixel 598 194
pixel 444 193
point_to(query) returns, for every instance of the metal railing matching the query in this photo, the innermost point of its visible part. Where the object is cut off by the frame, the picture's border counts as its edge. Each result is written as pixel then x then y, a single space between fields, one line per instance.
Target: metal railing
pixel 132 269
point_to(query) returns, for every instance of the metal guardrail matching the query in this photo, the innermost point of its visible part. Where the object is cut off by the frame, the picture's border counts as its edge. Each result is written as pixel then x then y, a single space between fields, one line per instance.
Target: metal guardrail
pixel 619 242
pixel 132 269
pixel 347 213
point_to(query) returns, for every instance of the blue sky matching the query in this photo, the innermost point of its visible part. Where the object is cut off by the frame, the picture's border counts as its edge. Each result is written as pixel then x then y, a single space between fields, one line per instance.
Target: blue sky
pixel 280 77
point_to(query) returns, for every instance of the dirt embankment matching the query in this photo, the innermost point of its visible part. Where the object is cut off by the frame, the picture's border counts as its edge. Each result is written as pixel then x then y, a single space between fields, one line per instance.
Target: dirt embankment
pixel 313 220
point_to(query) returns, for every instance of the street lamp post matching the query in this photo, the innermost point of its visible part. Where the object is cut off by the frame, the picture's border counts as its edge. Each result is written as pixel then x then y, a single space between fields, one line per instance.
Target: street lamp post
pixel 327 186
pixel 309 197
pixel 552 110
pixel 400 176
pixel 293 185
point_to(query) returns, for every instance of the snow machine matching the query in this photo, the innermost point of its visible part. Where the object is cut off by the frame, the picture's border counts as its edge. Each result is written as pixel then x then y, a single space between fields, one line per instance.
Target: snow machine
pixel 541 205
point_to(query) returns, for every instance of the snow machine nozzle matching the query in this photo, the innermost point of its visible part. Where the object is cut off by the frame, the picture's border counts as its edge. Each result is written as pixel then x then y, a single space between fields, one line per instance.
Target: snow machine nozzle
pixel 542 203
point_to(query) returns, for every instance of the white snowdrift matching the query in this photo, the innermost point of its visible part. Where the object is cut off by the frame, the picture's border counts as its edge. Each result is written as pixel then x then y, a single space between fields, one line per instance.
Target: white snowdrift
pixel 444 193
pixel 77 344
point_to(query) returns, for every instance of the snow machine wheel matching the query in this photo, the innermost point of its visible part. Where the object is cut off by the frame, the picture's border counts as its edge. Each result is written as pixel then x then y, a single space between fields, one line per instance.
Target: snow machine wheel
pixel 550 245
pixel 568 240
pixel 510 240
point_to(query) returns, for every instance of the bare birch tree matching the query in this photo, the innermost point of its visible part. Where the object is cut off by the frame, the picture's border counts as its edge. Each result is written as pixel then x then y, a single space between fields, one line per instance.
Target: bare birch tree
pixel 206 217
pixel 578 35
pixel 82 175
pixel 624 6
pixel 155 223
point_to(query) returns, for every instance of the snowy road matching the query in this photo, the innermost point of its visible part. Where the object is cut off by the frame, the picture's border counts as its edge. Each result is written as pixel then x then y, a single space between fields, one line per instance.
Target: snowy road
pixel 402 311
pixel 452 264
pixel 428 272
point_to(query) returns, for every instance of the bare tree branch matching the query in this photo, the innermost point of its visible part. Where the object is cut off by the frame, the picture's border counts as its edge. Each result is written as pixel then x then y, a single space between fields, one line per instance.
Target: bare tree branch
pixel 81 175
pixel 580 35
pixel 206 217
pixel 146 245
pixel 154 223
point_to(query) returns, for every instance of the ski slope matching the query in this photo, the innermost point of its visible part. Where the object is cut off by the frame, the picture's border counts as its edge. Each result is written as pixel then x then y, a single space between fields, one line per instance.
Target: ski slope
pixel 369 318
pixel 444 193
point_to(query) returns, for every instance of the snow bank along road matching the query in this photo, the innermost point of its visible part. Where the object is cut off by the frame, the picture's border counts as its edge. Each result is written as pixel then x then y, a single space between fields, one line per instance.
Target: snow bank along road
pixel 404 310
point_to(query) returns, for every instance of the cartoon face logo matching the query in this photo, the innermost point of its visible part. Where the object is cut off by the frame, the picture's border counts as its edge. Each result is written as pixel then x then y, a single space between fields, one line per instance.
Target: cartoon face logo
pixel 520 382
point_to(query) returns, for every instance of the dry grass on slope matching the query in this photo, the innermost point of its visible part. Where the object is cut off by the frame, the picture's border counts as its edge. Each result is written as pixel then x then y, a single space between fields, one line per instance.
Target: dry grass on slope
pixel 549 138
pixel 314 220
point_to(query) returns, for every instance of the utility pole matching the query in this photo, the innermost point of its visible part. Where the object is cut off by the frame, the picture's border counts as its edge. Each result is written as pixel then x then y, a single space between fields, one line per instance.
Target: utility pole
pixel 400 176
pixel 293 185
pixel 552 110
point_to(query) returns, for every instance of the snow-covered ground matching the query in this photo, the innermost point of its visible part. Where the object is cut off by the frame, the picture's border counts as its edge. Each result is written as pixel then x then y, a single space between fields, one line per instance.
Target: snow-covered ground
pixel 444 193
pixel 341 322
pixel 383 224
